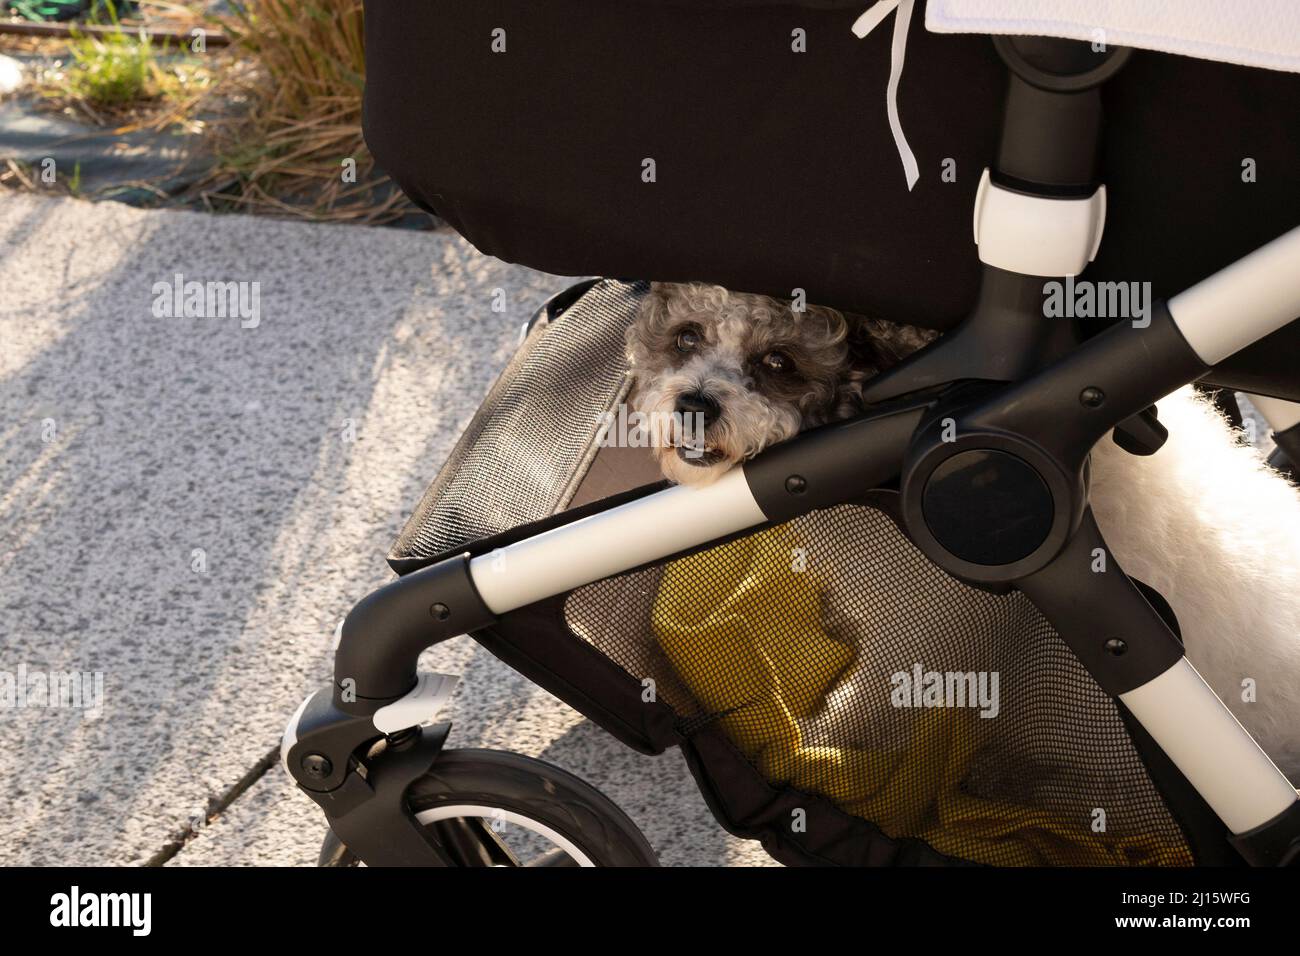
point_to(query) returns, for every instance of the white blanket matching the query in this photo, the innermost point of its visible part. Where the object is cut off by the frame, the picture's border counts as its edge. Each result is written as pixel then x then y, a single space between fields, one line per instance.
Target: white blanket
pixel 1259 33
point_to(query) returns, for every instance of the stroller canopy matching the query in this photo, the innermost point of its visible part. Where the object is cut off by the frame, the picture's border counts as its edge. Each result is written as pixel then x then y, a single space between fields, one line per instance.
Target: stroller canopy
pixel 749 143
pixel 1259 33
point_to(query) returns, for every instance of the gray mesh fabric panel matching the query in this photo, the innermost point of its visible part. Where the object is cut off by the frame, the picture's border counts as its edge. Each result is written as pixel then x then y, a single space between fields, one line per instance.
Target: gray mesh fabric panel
pixel 528 446
pixel 730 635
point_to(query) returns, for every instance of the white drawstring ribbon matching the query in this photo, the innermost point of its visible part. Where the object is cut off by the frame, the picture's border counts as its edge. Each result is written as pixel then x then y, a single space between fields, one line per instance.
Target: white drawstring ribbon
pixel 864 24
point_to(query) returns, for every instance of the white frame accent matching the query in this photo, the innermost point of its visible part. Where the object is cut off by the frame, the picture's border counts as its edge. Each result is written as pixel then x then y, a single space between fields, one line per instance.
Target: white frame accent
pixel 1279 413
pixel 1037 235
pixel 1214 752
pixel 420 706
pixel 290 736
pixel 1242 303
pixel 613 541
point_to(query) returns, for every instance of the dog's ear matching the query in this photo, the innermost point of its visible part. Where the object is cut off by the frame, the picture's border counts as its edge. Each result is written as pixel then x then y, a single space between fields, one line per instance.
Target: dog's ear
pixel 652 313
pixel 833 321
pixel 659 293
pixel 876 345
pixel 848 393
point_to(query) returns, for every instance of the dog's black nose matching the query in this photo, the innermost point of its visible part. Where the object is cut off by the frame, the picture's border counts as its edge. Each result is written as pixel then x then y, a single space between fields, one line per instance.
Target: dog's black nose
pixel 697 403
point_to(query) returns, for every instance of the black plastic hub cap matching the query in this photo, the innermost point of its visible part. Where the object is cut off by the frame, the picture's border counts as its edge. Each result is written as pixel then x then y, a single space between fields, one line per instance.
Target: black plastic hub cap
pixel 987 507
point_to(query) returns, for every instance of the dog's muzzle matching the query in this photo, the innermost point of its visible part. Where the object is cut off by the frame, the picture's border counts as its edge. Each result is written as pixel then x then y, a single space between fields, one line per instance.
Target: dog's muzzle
pixel 695 412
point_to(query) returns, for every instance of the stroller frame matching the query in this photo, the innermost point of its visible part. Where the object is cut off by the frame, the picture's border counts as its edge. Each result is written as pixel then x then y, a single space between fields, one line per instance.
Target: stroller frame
pixel 1009 392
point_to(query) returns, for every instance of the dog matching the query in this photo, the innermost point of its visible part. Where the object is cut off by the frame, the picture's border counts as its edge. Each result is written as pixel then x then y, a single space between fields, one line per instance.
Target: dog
pixel 747 371
pixel 1204 520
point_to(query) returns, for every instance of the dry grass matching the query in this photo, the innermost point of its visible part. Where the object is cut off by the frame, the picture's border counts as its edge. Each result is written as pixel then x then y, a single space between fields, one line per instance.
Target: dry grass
pixel 296 141
pixel 279 109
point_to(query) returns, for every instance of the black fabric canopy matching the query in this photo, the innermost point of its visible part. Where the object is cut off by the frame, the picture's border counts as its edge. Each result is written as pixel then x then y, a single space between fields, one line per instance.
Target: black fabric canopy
pixel 776 169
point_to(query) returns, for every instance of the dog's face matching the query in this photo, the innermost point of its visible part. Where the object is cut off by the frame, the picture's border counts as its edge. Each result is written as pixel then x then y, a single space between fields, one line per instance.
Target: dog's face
pixel 720 375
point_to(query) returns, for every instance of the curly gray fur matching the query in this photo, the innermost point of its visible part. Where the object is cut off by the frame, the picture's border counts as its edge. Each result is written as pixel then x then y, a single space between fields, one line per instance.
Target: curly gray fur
pixel 828 357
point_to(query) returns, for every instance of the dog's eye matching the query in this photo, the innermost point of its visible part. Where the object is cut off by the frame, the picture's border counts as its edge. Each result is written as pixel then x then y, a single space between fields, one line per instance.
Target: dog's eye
pixel 777 362
pixel 687 340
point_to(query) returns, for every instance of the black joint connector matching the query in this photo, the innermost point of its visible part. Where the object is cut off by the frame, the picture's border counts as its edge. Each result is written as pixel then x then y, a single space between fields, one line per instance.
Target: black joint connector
pixel 1275 843
pixel 385 633
pixel 1141 434
pixel 1058 65
pixel 832 464
pixel 1051 127
pixel 1286 457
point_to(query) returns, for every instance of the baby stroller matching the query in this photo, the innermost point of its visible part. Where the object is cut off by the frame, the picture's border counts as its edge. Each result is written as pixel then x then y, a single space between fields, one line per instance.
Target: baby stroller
pixel 809 147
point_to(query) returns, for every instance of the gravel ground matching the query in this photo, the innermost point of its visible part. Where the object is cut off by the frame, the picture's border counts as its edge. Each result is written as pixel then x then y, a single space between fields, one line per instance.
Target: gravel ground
pixel 190 506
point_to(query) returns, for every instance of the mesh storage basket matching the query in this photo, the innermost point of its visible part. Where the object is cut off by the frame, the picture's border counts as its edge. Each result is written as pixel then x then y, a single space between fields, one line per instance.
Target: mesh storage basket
pixel 837 695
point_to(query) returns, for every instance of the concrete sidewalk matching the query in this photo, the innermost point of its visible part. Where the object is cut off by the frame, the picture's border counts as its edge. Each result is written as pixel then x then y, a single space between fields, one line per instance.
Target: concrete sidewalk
pixel 190 506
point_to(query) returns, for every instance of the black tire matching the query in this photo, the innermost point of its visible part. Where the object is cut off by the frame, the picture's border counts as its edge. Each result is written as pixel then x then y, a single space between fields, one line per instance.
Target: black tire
pixel 532 788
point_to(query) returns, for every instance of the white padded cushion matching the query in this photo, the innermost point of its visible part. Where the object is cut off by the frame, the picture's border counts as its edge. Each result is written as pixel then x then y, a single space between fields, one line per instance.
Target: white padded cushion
pixel 1260 33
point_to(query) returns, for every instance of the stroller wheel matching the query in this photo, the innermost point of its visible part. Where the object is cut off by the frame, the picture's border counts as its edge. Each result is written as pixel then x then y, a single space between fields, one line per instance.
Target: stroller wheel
pixel 492 808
